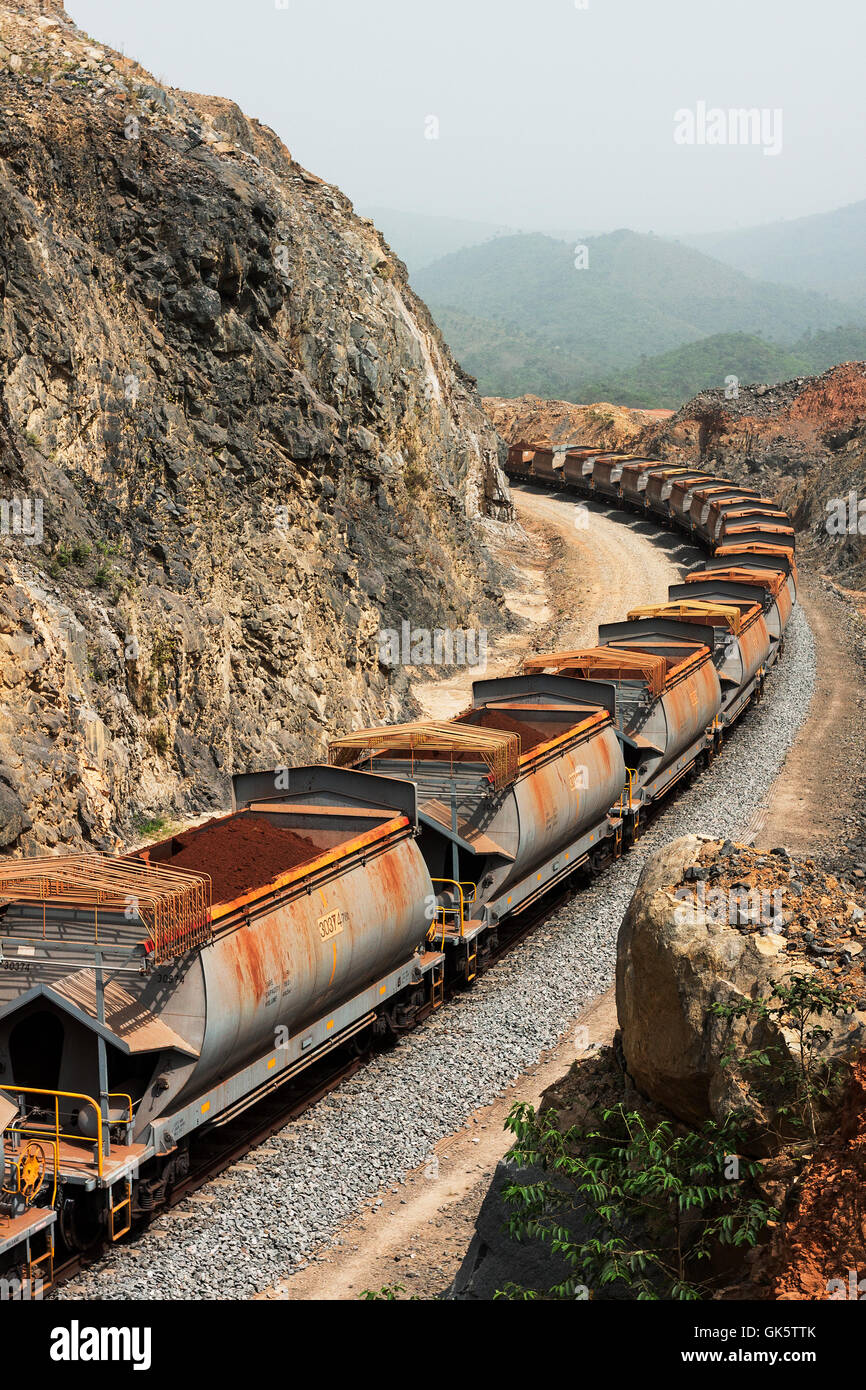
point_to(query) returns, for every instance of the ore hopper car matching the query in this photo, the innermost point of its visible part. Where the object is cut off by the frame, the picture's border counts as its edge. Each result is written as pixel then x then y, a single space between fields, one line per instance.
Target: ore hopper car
pixel 766 555
pixel 606 474
pixel 547 466
pixel 723 510
pixel 519 461
pixel 660 485
pixel 682 493
pixel 744 587
pixel 148 994
pixel 635 479
pixel 756 532
pixel 514 794
pixel 741 643
pixel 703 499
pixel 777 567
pixel 667 696
pixel 577 468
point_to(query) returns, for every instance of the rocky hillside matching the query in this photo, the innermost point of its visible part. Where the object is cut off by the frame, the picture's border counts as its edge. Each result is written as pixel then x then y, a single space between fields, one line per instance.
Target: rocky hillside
pixel 803 440
pixel 562 423
pixel 233 446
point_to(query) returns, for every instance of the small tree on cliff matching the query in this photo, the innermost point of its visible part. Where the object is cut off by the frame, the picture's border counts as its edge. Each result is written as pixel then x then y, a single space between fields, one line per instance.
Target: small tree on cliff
pixel 793 1083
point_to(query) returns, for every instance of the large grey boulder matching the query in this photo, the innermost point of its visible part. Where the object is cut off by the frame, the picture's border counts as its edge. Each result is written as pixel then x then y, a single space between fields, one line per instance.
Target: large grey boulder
pixel 675 960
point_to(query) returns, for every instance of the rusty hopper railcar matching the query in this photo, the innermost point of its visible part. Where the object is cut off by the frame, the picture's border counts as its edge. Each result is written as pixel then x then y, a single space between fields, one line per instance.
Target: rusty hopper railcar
pixel 667 696
pixel 743 587
pixel 519 461
pixel 660 485
pixel 635 479
pixel 514 793
pixel 704 498
pixel 757 531
pixel 577 468
pixel 738 506
pixel 547 465
pixel 137 1011
pixel 778 565
pixel 741 643
pixel 767 555
pixel 681 494
pixel 606 474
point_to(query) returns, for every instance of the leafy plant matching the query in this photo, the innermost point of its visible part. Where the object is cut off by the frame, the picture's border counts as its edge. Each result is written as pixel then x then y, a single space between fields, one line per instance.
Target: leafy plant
pixel 159 740
pixel 653 1201
pixel 150 827
pixel 794 1083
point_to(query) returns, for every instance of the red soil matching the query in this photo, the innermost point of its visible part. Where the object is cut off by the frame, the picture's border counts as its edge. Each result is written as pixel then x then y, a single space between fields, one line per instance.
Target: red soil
pixel 826 1236
pixel 240 853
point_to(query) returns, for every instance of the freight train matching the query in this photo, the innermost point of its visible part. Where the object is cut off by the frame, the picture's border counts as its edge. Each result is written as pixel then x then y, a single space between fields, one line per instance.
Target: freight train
pixel 152 998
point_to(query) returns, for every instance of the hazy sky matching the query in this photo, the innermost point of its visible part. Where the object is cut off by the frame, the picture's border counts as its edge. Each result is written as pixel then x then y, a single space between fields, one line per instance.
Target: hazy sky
pixel 550 114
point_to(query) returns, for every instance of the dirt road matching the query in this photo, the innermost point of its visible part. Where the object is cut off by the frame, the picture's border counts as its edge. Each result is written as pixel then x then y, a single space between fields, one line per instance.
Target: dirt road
pixel 812 807
pixel 575 566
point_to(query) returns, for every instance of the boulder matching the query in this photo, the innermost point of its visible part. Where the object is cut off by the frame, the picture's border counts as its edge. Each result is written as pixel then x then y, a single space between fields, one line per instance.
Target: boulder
pixel 675 960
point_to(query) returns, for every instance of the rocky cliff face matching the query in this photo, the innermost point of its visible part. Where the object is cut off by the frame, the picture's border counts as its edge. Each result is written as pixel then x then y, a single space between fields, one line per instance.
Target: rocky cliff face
pixel 233 446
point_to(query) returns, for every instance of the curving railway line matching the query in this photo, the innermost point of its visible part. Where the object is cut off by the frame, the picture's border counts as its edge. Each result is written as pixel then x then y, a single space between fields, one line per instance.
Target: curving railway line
pixel 162 1012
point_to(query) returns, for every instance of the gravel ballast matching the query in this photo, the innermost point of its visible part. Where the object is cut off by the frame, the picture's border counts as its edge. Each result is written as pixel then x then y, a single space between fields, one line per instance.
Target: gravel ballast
pixel 239 1236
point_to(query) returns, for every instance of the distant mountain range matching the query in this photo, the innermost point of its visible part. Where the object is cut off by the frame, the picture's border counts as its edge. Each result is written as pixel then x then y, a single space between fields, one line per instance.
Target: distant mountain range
pixel 521 317
pixel 826 252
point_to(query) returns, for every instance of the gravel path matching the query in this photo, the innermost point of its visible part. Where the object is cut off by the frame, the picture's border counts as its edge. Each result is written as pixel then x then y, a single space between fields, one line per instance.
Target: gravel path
pixel 245 1232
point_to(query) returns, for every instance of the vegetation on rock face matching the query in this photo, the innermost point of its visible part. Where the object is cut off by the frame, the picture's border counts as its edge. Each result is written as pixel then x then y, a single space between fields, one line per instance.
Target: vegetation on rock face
pixel 794 1085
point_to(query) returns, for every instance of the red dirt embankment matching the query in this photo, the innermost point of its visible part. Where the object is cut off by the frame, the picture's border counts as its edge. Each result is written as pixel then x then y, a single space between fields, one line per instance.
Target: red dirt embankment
pixel 781 430
pixel 825 1238
pixel 560 424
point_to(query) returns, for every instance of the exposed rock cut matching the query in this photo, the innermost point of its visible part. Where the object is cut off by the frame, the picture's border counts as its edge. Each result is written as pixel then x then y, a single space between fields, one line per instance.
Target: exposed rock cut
pixel 237 445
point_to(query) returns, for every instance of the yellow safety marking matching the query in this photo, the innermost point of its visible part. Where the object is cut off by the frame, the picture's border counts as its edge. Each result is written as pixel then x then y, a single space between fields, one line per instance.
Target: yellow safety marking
pixel 382 989
pixel 272 1063
pixel 334 966
pixel 330 1025
pixel 206 1107
pixel 324 899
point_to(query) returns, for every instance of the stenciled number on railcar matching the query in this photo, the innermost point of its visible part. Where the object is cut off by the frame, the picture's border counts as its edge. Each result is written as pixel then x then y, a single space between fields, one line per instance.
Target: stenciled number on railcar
pixel 332 924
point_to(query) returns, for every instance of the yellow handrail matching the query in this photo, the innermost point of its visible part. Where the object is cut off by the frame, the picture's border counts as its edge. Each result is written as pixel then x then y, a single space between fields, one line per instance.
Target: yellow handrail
pixel 58 1134
pixel 629 787
pixel 459 911
pixel 121 1095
